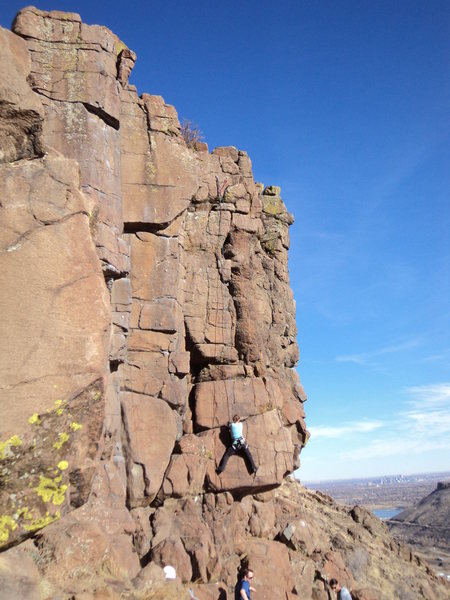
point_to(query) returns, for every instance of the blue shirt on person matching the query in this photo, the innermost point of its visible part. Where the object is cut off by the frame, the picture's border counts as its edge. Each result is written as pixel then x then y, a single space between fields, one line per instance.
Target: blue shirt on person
pixel 245 585
pixel 236 430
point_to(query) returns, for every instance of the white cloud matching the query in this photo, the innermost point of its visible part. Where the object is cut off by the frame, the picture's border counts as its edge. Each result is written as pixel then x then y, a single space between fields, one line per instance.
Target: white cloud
pixel 367 358
pixel 437 395
pixel 395 447
pixel 414 438
pixel 424 428
pixel 359 359
pixel 430 413
pixel 323 431
pixel 436 422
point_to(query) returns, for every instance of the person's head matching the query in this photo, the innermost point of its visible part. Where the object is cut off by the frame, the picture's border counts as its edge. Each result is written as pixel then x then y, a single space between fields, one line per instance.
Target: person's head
pixel 236 419
pixel 248 575
pixel 334 585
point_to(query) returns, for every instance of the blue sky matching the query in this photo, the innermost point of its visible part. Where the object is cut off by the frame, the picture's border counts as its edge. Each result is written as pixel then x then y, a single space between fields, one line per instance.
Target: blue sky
pixel 346 106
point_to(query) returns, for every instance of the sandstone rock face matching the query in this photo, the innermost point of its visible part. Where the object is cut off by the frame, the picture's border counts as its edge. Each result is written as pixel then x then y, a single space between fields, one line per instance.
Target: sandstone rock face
pixel 55 331
pixel 154 301
pixel 21 111
pixel 146 300
pixel 75 69
pixel 151 429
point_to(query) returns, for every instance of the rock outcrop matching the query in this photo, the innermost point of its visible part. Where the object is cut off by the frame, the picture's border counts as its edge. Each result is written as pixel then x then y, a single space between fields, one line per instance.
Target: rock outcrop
pixel 425 526
pixel 431 511
pixel 295 539
pixel 146 300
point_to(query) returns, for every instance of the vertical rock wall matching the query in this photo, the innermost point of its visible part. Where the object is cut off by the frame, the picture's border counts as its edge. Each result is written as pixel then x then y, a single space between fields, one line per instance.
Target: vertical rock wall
pixel 148 301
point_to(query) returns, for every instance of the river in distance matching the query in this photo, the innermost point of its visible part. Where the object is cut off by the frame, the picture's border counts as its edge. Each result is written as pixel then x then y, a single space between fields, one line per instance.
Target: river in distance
pixel 387 513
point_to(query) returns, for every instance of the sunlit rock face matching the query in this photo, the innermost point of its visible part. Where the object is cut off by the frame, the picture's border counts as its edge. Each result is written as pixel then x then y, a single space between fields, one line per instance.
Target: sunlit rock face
pixel 147 302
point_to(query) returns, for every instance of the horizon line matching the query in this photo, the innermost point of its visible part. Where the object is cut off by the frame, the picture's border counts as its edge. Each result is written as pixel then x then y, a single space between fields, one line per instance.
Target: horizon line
pixel 369 477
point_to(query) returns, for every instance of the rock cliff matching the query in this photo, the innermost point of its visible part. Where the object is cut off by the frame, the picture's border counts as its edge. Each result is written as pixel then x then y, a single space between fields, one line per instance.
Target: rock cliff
pixel 425 526
pixel 146 300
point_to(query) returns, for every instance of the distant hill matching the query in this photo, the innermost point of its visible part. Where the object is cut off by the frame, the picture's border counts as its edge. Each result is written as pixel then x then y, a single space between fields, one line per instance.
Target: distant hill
pixel 426 527
pixel 431 511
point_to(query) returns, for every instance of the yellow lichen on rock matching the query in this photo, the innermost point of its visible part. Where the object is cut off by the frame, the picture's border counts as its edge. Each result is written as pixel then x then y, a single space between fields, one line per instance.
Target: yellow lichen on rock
pixel 273 205
pixel 119 47
pixel 49 490
pixel 34 419
pixel 74 426
pixel 63 438
pixel 42 521
pixel 23 512
pixel 7 524
pixel 5 446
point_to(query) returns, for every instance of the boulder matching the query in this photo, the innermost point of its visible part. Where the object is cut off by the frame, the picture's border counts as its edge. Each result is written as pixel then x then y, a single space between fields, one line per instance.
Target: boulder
pixel 19 575
pixel 151 430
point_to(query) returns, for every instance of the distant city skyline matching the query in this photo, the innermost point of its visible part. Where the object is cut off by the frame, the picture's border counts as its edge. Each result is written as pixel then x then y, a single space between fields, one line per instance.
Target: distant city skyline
pixel 346 106
pixel 407 477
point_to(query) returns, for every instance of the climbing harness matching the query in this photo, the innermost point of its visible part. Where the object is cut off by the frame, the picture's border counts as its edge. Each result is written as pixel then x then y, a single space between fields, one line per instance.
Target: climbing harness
pixel 239 443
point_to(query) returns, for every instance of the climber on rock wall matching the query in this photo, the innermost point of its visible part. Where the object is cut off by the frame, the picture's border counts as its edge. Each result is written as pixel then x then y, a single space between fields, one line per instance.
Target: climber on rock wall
pixel 238 445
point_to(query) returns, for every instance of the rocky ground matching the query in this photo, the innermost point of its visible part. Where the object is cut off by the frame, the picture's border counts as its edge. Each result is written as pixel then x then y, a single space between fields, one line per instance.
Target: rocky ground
pixel 424 522
pixel 295 540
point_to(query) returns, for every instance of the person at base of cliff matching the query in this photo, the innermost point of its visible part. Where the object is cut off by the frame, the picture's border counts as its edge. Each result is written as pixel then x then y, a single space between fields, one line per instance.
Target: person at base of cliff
pixel 246 587
pixel 342 592
pixel 238 445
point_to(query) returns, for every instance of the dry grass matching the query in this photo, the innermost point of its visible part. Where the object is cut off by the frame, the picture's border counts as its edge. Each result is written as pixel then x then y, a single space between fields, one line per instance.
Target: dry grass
pixel 191 134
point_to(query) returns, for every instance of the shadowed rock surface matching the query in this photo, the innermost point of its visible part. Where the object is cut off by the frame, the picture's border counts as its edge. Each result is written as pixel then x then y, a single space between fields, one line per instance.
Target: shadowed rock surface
pixel 147 301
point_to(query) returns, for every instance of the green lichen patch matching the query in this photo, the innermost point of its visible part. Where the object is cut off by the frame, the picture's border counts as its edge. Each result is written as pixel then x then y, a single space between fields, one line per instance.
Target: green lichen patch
pixel 269 242
pixel 273 205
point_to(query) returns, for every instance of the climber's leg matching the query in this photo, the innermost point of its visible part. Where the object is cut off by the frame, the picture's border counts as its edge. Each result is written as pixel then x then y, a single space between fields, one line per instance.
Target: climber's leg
pixel 223 463
pixel 249 457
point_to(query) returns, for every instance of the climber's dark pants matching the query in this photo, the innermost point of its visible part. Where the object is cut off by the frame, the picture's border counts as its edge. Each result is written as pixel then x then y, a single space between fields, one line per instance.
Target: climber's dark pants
pixel 236 449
